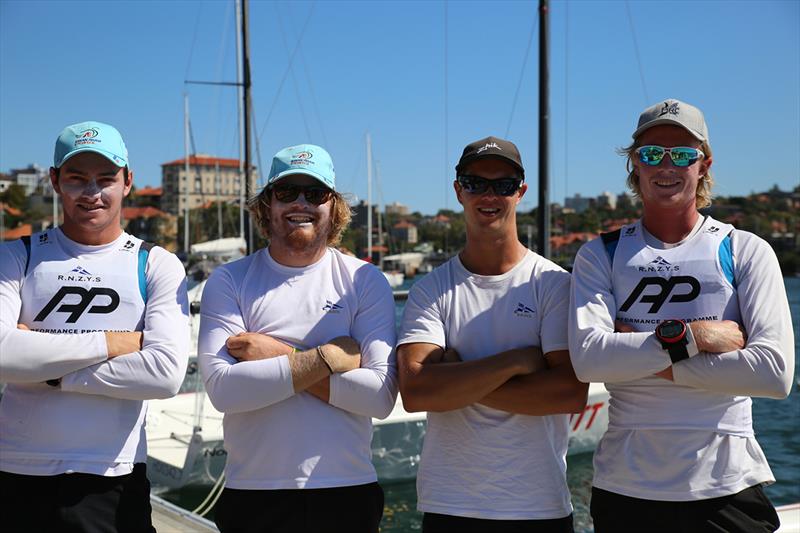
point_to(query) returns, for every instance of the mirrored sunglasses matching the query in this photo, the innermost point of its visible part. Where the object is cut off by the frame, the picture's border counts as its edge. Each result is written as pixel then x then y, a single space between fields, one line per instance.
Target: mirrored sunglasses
pixel 500 186
pixel 681 156
pixel 314 194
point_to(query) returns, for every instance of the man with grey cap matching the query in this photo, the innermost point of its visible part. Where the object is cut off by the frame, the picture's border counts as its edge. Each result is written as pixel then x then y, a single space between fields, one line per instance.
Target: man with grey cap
pixel 684 319
pixel 296 349
pixel 93 322
pixel 483 349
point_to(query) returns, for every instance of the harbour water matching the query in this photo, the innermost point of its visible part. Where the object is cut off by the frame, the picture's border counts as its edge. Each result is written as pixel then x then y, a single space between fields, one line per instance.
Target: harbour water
pixel 776 425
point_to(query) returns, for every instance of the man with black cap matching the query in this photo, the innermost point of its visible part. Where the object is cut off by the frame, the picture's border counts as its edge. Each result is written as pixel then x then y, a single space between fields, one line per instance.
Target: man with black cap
pixel 93 322
pixel 483 349
pixel 684 318
pixel 296 348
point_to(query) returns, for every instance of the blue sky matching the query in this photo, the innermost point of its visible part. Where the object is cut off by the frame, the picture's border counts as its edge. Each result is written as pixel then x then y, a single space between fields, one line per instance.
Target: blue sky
pixel 379 67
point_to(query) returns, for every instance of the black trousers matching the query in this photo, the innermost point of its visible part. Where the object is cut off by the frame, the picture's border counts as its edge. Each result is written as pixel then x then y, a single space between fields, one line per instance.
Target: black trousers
pixel 76 503
pixel 748 511
pixel 356 509
pixel 441 523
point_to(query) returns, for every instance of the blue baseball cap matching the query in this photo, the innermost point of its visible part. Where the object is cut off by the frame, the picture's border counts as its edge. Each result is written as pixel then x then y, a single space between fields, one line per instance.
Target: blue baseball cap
pixel 90 137
pixel 306 159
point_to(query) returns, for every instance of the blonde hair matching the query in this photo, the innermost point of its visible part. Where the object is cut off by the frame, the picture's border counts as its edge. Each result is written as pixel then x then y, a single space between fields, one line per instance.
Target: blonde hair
pixel 340 214
pixel 703 195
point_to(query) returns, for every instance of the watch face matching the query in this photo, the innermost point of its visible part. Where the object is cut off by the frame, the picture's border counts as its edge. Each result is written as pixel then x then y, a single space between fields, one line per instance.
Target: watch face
pixel 670 329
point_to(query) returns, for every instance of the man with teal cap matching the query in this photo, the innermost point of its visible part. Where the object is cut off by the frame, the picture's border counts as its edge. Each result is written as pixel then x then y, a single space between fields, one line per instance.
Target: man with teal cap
pixel 296 349
pixel 93 323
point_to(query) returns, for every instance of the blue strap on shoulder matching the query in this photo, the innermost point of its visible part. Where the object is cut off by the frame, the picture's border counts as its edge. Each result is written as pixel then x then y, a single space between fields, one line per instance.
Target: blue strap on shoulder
pixel 726 259
pixel 610 241
pixel 144 252
pixel 26 240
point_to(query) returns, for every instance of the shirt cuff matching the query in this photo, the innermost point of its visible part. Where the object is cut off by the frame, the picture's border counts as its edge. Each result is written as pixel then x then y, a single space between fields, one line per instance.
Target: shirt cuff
pixel 691 343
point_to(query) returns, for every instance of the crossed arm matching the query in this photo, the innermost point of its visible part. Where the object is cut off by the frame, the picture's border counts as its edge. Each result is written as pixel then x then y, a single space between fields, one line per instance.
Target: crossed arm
pixel 519 381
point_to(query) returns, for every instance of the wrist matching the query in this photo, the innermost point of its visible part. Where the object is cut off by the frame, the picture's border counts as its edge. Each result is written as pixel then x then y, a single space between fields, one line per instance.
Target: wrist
pixel 325 359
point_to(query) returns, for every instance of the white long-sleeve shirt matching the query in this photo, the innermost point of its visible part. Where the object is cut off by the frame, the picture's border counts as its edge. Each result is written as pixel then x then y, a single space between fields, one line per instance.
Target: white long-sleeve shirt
pixel 68 294
pixel 277 439
pixel 664 441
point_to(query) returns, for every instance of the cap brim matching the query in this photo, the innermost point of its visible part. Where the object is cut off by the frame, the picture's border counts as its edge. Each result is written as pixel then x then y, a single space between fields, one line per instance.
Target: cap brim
pixel 670 122
pixel 105 154
pixel 294 171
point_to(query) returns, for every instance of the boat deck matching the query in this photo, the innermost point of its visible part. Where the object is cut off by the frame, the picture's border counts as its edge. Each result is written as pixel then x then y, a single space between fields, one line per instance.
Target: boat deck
pixel 169 518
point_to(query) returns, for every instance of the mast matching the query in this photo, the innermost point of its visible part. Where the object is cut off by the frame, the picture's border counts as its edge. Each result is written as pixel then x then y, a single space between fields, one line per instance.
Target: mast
pixel 240 132
pixel 247 109
pixel 369 197
pixel 544 119
pixel 218 185
pixel 186 173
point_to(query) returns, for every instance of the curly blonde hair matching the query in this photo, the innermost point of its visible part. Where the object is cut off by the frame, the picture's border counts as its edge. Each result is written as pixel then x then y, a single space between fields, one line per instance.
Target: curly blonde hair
pixel 703 195
pixel 259 204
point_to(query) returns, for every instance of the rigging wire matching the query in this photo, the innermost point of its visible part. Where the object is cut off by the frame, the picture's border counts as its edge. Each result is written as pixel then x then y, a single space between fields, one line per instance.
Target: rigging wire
pixel 286 72
pixel 295 84
pixel 566 111
pixel 522 72
pixel 446 118
pixel 220 67
pixel 636 50
pixel 194 41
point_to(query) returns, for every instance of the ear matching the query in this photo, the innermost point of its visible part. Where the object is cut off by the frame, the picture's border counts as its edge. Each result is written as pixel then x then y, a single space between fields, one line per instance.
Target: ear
pixel 54 180
pixel 521 192
pixel 128 183
pixel 457 188
pixel 705 165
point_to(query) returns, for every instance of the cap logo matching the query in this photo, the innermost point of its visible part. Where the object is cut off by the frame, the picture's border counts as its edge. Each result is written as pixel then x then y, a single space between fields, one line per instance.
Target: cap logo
pixel 91 132
pixel 487 146
pixel 669 109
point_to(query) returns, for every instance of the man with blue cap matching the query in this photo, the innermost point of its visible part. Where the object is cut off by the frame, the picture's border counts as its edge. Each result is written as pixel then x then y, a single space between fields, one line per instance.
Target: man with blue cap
pixel 296 349
pixel 93 323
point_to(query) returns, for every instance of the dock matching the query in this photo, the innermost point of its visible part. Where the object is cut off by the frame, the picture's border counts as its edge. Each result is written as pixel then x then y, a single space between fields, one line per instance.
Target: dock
pixel 169 518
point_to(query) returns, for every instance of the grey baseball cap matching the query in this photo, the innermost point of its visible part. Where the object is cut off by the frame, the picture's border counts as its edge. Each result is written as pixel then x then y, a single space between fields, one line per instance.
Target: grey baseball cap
pixel 676 113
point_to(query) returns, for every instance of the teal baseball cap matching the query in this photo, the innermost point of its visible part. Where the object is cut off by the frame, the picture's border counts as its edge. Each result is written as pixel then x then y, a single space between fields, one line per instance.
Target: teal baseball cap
pixel 306 159
pixel 90 137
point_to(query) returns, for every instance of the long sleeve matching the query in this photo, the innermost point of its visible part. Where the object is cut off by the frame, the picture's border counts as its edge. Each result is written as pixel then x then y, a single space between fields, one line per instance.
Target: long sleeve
pixel 157 370
pixel 372 389
pixel 598 353
pixel 32 356
pixel 765 367
pixel 232 386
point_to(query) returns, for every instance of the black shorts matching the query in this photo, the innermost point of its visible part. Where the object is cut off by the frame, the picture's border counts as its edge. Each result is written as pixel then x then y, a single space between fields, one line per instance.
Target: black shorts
pixel 748 511
pixel 355 509
pixel 80 503
pixel 442 523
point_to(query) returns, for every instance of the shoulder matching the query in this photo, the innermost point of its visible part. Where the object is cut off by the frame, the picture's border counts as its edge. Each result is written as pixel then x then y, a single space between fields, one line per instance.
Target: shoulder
pixel 162 263
pixel 15 257
pixel 235 270
pixel 361 272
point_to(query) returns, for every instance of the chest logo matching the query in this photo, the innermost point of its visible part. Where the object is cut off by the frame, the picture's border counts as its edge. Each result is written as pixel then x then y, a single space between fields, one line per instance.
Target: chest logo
pixel 523 310
pixel 678 284
pixel 77 309
pixel 331 307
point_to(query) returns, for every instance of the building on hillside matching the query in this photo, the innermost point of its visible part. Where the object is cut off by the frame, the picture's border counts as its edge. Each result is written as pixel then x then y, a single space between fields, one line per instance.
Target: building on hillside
pixel 577 202
pixel 607 199
pixel 209 178
pixel 152 225
pixel 29 177
pixel 359 219
pixel 405 232
pixel 23 230
pixel 396 208
pixel 148 197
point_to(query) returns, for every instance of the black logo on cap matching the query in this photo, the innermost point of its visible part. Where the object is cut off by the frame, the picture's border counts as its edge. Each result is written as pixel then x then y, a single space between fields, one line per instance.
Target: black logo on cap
pixel 669 109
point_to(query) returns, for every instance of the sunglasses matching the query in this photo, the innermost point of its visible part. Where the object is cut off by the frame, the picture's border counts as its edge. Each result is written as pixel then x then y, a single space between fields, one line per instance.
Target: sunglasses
pixel 500 186
pixel 681 156
pixel 313 194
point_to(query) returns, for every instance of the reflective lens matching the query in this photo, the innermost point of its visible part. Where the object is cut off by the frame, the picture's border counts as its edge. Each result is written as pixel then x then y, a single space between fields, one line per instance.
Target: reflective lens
pixel 500 186
pixel 313 194
pixel 681 156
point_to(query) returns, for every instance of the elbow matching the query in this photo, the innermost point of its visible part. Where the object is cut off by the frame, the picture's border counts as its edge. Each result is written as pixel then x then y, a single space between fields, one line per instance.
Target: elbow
pixel 412 397
pixel 576 402
pixel 779 388
pixel 411 404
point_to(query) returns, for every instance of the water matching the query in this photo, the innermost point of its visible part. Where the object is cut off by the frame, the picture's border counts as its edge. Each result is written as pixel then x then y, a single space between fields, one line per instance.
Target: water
pixel 776 426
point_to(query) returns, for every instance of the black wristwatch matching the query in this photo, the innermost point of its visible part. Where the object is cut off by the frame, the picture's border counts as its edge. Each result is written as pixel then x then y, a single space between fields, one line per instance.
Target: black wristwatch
pixel 672 334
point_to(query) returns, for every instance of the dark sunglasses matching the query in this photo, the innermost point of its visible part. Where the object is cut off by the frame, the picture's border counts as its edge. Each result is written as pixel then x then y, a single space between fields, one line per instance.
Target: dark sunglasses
pixel 313 194
pixel 500 186
pixel 681 156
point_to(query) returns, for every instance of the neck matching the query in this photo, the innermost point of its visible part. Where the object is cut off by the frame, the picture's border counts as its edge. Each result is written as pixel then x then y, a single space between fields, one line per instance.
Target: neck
pixel 670 225
pixel 91 238
pixel 492 256
pixel 292 257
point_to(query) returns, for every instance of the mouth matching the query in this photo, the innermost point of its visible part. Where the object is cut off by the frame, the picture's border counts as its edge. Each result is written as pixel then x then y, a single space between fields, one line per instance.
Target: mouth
pixel 489 211
pixel 301 220
pixel 90 208
pixel 666 183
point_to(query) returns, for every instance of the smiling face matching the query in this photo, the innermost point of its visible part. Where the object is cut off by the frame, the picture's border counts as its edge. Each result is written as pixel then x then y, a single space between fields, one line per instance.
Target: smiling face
pixel 299 229
pixel 91 189
pixel 666 186
pixel 490 211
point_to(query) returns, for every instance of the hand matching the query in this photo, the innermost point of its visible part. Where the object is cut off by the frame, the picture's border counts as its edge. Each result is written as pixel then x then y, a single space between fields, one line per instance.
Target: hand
pixel 622 327
pixel 23 327
pixel 665 374
pixel 247 346
pixel 342 354
pixel 718 336
pixel 123 342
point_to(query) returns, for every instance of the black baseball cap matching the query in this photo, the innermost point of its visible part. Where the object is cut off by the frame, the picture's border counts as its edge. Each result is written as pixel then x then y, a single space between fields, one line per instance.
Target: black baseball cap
pixel 493 147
